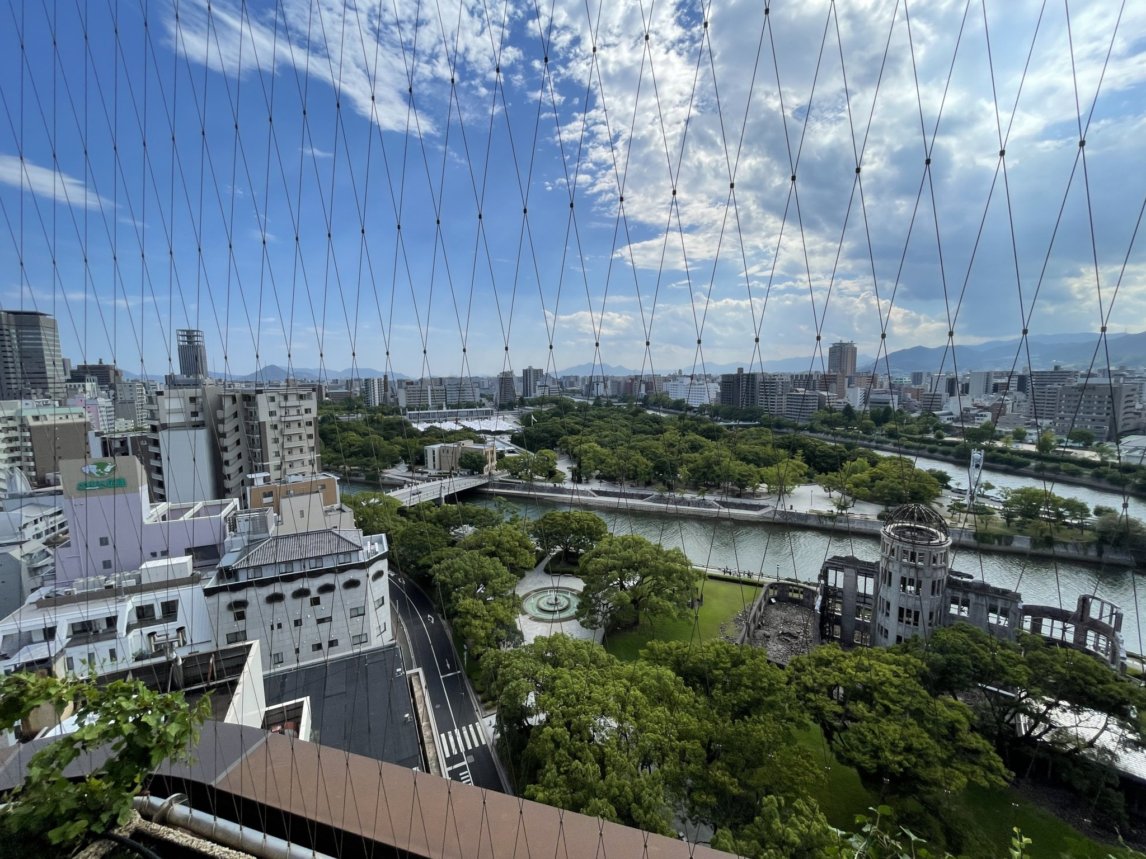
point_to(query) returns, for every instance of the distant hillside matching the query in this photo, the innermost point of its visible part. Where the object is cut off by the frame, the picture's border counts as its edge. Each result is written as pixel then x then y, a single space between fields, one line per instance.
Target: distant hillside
pixel 1069 350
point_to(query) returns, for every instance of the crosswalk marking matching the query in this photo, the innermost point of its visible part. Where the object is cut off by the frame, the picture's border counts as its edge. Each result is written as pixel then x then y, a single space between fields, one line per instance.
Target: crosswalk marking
pixel 465 777
pixel 461 740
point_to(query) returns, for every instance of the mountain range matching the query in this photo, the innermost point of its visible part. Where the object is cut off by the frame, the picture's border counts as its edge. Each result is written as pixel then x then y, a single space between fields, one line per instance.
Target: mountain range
pixel 1076 351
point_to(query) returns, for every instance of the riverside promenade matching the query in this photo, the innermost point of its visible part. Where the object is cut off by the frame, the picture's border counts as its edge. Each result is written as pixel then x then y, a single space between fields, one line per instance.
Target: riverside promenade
pixel 806 506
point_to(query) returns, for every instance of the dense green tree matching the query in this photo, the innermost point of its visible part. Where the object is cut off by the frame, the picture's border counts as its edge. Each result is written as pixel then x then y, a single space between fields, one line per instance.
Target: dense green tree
pixel 454 516
pixel 878 716
pixel 1046 442
pixel 507 543
pixel 592 734
pixel 1082 436
pixel 892 480
pixel 749 745
pixel 1120 532
pixel 376 513
pixel 471 460
pixel 530 466
pixel 1016 689
pixel 416 544
pixel 628 579
pixel 572 532
pixel 1019 434
pixel 477 593
pixel 784 475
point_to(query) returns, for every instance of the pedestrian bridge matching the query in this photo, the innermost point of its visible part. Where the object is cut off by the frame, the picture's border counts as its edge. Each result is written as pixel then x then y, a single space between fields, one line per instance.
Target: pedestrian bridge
pixel 437 490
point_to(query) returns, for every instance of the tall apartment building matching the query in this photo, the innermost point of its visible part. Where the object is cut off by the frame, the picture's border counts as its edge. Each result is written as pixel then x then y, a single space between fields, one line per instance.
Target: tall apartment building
pixel 842 358
pixel 206 442
pixel 1043 389
pixel 192 353
pixel 36 435
pixel 531 378
pixel 31 364
pixel 378 391
pixel 740 390
pixel 755 390
pixel 131 401
pixel 506 389
pixel 182 449
pixel 270 431
pixel 1096 405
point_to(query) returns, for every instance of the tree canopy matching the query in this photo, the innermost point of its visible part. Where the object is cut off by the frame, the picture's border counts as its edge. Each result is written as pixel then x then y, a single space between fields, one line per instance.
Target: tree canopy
pixel 628 578
pixel 878 716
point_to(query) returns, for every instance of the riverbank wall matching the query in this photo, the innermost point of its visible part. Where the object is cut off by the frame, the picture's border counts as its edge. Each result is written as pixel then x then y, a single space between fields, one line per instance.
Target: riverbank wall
pixel 764 512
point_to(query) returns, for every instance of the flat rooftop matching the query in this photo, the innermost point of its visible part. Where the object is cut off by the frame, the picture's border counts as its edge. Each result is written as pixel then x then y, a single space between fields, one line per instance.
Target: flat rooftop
pixel 359 704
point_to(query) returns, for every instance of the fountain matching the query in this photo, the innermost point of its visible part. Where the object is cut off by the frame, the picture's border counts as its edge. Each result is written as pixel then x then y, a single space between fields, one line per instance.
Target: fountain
pixel 551 605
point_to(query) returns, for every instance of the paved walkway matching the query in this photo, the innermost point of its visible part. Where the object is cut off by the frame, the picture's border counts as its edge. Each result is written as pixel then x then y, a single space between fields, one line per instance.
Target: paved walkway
pixel 539 580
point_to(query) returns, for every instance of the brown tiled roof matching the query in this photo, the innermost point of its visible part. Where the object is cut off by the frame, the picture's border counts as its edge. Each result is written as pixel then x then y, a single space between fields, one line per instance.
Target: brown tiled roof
pixel 413 813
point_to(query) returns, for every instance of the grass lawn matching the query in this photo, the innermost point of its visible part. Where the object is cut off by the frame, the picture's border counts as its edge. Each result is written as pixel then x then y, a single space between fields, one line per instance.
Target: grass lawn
pixel 722 600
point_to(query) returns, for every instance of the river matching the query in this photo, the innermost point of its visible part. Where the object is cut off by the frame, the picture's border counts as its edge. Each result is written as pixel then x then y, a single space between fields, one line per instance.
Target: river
pixel 795 552
pixel 1001 480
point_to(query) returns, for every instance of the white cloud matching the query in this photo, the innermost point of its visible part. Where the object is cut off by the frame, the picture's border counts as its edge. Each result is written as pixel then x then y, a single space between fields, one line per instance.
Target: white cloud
pixel 47 183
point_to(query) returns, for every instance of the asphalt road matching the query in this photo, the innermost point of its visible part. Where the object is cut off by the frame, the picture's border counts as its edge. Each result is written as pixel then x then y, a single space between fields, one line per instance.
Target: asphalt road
pixel 463 740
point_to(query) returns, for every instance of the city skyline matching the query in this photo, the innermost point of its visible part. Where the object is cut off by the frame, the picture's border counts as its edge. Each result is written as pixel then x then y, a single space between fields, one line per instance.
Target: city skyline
pixel 384 176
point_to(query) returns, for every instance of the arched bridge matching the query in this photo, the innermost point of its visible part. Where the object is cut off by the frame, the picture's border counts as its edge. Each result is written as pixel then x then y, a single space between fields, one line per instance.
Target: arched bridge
pixel 437 490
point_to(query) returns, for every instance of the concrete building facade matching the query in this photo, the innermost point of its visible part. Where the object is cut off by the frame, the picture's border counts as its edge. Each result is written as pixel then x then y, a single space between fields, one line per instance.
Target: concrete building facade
pixel 31 364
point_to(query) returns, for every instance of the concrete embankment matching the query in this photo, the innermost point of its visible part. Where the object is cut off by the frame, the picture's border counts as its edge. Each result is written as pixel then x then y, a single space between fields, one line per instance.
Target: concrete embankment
pixel 764 512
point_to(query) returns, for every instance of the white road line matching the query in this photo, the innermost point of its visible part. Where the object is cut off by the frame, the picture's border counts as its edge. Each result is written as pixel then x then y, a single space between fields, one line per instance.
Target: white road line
pixel 474 740
pixel 451 674
pixel 463 765
pixel 445 745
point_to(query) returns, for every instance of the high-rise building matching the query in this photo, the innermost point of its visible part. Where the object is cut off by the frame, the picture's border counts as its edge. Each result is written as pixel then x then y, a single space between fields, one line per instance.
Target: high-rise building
pixel 531 377
pixel 506 389
pixel 31 365
pixel 206 442
pixel 182 453
pixel 192 353
pixel 842 358
pixel 378 391
pixel 106 375
pixel 36 436
pixel 269 431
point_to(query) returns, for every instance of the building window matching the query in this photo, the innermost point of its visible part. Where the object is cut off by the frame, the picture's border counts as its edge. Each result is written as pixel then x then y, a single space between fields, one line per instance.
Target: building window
pixel 107 565
pixel 316 647
pixel 358 611
pixel 298 621
pixel 361 638
pixel 381 601
pixel 332 643
pixel 145 612
pixel 241 614
pixel 111 655
pixel 316 600
pixel 323 620
pixel 276 659
pixel 237 636
pixel 103 541
pixel 169 609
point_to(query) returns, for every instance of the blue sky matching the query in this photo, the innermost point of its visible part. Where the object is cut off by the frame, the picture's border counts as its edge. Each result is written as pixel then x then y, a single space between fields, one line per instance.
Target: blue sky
pixel 154 175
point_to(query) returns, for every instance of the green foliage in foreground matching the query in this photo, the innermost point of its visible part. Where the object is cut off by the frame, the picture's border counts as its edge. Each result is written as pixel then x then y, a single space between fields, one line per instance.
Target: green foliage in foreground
pixel 138 727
